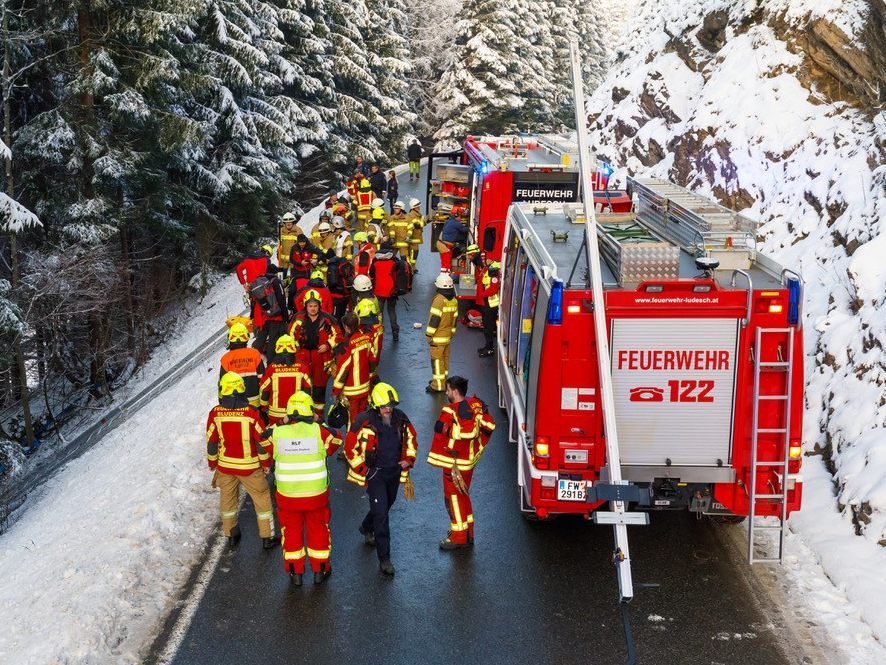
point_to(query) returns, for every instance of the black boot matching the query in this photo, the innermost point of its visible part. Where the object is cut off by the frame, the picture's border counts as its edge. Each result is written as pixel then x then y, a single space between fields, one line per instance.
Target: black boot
pixel 396 335
pixel 485 353
pixel 386 567
pixel 234 538
pixel 368 536
pixel 321 576
pixel 294 577
pixel 270 543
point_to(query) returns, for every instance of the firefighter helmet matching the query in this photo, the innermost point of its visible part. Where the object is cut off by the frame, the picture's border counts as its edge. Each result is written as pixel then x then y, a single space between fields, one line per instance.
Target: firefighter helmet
pixel 325 213
pixel 400 204
pixel 310 295
pixel 472 249
pixel 377 203
pixel 384 395
pixel 231 384
pixel 285 344
pixel 444 281
pixel 365 308
pixel 238 333
pixel 378 213
pixel 316 273
pixel 267 249
pixel 362 283
pixel 414 203
pixel 338 222
pixel 324 227
pixel 494 266
pixel 300 404
pixel 360 236
pixel 289 217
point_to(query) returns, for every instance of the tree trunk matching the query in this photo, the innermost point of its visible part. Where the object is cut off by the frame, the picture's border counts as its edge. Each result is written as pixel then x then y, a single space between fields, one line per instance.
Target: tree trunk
pixel 13 245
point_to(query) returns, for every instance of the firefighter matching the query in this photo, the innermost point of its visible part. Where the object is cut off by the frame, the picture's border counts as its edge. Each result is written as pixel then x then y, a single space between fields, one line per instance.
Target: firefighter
pixel 383 275
pixel 299 449
pixel 256 264
pixel 375 230
pixel 453 235
pixel 245 362
pixel 235 457
pixel 353 356
pixel 316 283
pixel 487 299
pixel 269 313
pixel 353 184
pixel 316 334
pixel 380 447
pixel 440 330
pixel 289 233
pixel 344 245
pixel 325 218
pixel 416 231
pixel 367 313
pixel 398 230
pixel 364 255
pixel 302 260
pixel 282 379
pixel 364 202
pixel 461 434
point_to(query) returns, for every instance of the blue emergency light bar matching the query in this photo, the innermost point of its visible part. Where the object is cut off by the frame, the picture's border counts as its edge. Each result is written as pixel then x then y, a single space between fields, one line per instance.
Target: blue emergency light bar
pixel 555 304
pixel 484 167
pixel 606 169
pixel 794 292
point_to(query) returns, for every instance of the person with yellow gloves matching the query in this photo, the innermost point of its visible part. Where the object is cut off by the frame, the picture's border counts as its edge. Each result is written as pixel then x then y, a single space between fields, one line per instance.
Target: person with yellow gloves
pixel 233 431
pixel 381 446
pixel 442 320
pixel 299 449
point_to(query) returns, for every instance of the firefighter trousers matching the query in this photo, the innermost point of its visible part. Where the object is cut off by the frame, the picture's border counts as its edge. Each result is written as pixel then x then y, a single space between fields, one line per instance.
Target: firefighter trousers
pixel 413 254
pixel 257 487
pixel 382 486
pixel 391 305
pixel 356 405
pixel 458 505
pixel 445 249
pixel 316 548
pixel 439 366
pixel 490 314
pixel 266 337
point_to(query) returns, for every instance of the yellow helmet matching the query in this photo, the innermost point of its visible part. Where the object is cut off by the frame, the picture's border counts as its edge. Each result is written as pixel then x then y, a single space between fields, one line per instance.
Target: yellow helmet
pixel 311 294
pixel 238 333
pixel 285 344
pixel 267 249
pixel 300 404
pixel 231 383
pixel 365 307
pixel 472 249
pixel 384 395
pixel 378 213
pixel 361 236
pixel 316 273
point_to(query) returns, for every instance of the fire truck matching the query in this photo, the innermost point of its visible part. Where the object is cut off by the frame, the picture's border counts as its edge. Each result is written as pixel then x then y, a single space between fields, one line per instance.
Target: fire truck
pixel 480 181
pixel 706 358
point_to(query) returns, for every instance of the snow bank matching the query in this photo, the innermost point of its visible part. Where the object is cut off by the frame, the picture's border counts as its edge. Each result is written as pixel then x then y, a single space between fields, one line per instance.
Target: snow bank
pixel 744 121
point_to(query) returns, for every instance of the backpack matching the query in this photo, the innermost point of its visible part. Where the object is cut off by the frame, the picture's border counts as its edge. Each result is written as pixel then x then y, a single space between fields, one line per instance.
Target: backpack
pixel 340 275
pixel 402 278
pixel 262 290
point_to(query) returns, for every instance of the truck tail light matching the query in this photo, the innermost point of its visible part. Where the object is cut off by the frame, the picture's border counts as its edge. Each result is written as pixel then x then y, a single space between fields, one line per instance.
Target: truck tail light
pixel 776 306
pixel 795 456
pixel 769 305
pixel 541 451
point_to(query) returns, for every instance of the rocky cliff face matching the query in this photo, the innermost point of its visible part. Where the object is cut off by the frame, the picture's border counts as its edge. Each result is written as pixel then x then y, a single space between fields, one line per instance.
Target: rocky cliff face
pixel 776 107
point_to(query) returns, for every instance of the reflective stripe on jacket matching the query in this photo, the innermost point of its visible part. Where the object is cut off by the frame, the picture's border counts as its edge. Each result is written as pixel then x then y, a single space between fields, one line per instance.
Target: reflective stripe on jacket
pixel 461 434
pixel 300 450
pixel 442 320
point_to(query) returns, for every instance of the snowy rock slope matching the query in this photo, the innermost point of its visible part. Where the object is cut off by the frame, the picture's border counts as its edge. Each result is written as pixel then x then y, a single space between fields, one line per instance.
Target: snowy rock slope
pixel 776 107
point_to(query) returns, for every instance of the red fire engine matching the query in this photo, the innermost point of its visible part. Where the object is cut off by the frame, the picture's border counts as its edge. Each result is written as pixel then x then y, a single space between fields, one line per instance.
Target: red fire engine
pixel 479 182
pixel 706 358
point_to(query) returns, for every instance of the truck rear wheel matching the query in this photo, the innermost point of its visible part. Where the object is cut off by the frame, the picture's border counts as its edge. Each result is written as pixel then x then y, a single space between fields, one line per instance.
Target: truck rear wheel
pixel 727 519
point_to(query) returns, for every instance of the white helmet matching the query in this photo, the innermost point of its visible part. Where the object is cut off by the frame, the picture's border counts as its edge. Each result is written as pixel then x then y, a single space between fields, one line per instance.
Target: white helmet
pixel 325 213
pixel 344 196
pixel 324 227
pixel 378 203
pixel 414 203
pixel 289 217
pixel 338 222
pixel 362 283
pixel 443 281
pixel 400 204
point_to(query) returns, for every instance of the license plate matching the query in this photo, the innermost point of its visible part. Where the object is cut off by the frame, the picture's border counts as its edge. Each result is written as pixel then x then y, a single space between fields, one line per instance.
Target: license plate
pixel 571 490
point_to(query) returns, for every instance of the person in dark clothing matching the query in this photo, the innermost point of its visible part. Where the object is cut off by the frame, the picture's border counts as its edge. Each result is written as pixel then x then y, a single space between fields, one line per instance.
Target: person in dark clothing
pixel 393 189
pixel 302 260
pixel 413 156
pixel 380 447
pixel 377 182
pixel 361 166
pixel 268 326
pixel 453 235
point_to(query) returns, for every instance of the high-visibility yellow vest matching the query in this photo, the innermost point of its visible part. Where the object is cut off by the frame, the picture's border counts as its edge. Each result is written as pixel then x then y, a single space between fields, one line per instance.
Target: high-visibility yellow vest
pixel 300 457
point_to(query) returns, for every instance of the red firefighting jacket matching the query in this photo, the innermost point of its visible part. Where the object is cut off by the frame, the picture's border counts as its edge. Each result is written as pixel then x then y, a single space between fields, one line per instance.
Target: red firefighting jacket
pixel 280 382
pixel 364 195
pixel 352 367
pixel 232 440
pixel 247 363
pixel 300 265
pixel 487 287
pixel 362 441
pixel 382 275
pixel 310 336
pixel 298 303
pixel 363 259
pixel 461 434
pixel 251 267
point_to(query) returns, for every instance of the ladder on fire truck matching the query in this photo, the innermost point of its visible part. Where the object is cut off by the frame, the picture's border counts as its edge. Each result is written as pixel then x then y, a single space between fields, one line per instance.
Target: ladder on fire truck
pixel 783 362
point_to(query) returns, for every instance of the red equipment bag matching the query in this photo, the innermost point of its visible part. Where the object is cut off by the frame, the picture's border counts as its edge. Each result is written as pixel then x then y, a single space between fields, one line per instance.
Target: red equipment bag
pixel 472 319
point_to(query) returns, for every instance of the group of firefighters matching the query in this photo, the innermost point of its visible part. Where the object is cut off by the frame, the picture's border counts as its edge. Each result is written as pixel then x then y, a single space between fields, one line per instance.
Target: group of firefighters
pixel 324 321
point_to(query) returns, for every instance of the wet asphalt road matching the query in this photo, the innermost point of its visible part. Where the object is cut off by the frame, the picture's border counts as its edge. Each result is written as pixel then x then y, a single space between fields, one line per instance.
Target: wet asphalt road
pixel 527 592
